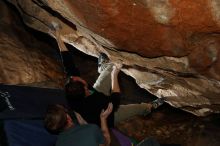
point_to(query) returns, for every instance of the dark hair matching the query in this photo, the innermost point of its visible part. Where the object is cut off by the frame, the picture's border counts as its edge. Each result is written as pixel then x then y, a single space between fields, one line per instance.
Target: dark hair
pixel 74 89
pixel 55 119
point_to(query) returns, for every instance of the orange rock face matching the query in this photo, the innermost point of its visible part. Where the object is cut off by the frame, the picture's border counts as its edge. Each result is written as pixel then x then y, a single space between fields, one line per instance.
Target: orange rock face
pixel 162 25
pixel 155 28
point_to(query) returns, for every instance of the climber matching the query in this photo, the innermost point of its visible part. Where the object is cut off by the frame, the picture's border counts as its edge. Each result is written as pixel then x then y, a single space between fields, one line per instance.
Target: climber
pixel 89 101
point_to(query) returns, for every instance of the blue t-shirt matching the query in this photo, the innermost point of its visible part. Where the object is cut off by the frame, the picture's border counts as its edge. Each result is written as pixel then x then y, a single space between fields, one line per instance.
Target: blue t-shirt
pixel 81 135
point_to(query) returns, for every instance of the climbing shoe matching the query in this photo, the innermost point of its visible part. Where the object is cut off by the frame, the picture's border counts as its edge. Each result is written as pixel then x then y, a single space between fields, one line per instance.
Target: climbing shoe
pixel 103 62
pixel 158 102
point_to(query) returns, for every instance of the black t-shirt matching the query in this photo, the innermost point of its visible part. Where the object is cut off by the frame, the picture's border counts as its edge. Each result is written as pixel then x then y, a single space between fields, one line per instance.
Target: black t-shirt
pixel 91 106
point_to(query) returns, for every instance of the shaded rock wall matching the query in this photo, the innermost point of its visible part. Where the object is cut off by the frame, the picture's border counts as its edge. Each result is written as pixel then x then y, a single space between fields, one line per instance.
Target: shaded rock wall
pixel 23 58
pixel 170 47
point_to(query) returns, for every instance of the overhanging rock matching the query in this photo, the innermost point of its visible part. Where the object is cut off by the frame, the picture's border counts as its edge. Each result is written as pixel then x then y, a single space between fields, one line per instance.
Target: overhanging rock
pixel 171 48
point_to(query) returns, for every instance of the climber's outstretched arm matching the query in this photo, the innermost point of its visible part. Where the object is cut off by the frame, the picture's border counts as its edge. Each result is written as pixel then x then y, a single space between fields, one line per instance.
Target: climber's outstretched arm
pixel 60 43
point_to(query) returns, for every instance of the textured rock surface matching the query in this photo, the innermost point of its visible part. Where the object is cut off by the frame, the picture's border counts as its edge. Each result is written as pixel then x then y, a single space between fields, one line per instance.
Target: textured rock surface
pixel 23 59
pixel 172 127
pixel 177 42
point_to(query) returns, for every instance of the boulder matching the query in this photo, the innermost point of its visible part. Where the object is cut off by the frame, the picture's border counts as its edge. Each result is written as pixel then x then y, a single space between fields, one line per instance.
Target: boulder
pixel 170 47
